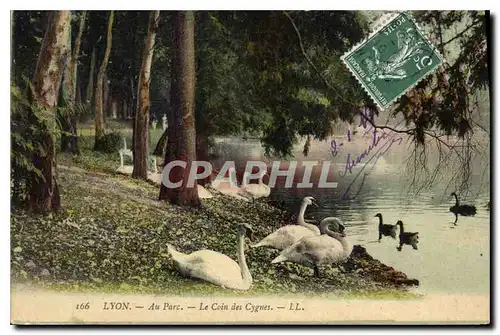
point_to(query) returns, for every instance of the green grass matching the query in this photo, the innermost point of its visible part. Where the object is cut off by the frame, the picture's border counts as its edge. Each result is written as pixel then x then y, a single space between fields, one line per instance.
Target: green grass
pixel 177 286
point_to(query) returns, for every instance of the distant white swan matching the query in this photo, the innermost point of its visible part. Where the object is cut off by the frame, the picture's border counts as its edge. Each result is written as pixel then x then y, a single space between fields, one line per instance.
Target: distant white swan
pixel 203 193
pixel 256 191
pixel 231 187
pixel 328 248
pixel 289 234
pixel 215 267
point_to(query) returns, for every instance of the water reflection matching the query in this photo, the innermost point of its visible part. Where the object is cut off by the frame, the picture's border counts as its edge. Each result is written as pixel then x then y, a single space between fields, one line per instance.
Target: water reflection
pixel 450 258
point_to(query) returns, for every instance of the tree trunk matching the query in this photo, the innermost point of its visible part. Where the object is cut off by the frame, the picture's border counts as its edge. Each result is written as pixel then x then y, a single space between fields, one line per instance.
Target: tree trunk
pixel 202 153
pixel 69 138
pixel 44 192
pixel 141 125
pixel 114 109
pixel 12 58
pixel 99 112
pixel 161 146
pixel 181 131
pixel 90 85
pixel 66 98
pixel 124 110
pixel 105 99
pixel 78 96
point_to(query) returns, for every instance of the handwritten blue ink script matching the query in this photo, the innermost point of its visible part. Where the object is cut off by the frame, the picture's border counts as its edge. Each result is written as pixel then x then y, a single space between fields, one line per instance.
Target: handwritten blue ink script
pixel 379 143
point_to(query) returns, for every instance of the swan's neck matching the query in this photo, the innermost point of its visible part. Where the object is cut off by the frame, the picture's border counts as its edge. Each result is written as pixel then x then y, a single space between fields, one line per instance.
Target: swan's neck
pixel 244 182
pixel 456 199
pixel 402 228
pixel 245 273
pixel 340 238
pixel 301 221
pixel 233 178
pixel 380 221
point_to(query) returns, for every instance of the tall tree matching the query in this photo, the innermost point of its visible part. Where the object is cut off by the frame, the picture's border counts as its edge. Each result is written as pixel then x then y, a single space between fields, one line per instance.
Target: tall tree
pixel 141 125
pixel 181 131
pixel 90 85
pixel 44 192
pixel 69 137
pixel 99 107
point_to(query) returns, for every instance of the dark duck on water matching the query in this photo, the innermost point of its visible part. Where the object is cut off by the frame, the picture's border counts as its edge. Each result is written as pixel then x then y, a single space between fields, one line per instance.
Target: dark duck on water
pixel 385 229
pixel 464 210
pixel 406 237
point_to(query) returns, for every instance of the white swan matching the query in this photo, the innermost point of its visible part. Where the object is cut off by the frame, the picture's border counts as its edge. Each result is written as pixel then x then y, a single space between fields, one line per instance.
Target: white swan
pixel 256 191
pixel 231 187
pixel 289 234
pixel 215 267
pixel 203 193
pixel 328 248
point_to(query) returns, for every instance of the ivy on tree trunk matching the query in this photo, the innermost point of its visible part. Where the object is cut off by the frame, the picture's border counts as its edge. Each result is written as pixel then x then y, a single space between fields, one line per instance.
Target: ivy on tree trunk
pixel 44 192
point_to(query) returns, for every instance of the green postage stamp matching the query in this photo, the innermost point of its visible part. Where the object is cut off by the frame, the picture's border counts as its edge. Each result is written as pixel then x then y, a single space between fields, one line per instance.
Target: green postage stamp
pixel 392 60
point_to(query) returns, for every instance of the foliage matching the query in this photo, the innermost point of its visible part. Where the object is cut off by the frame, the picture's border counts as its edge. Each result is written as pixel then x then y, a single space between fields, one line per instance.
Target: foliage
pixel 284 86
pixel 29 123
pixel 29 28
pixel 443 100
pixel 110 142
pixel 25 138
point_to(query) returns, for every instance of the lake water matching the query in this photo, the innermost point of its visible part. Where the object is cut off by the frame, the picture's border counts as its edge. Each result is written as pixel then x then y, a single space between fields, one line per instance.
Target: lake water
pixel 451 259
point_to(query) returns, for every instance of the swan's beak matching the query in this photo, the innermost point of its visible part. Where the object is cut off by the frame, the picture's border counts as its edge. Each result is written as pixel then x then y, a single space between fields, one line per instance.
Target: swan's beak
pixel 315 203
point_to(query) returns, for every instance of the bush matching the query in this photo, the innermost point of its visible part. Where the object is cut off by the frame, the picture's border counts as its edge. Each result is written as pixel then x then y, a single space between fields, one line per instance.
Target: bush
pixel 110 142
pixel 28 124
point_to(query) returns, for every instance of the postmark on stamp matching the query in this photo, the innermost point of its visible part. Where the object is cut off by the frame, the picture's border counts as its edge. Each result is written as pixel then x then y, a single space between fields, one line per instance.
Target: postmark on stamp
pixel 393 59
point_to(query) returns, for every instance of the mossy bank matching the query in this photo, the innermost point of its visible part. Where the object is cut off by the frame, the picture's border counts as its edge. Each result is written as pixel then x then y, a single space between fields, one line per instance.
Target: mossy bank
pixel 111 231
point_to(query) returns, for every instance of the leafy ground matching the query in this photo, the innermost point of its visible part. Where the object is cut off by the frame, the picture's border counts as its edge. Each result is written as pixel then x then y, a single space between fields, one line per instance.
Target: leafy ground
pixel 111 232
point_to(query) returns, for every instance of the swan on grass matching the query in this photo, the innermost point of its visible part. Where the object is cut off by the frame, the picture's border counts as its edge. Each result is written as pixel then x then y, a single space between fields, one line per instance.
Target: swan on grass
pixel 256 191
pixel 464 210
pixel 203 193
pixel 328 248
pixel 289 234
pixel 230 187
pixel 215 267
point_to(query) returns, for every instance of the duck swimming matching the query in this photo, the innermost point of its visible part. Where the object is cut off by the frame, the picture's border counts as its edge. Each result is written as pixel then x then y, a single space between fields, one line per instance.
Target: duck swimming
pixel 389 230
pixel 464 210
pixel 406 237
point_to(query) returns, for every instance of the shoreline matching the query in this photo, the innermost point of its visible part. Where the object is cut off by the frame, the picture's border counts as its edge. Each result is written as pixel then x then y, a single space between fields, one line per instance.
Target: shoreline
pixel 112 230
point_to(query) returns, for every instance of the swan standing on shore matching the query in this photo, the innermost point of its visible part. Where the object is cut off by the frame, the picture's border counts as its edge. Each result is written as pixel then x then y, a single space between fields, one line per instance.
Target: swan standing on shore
pixel 328 248
pixel 256 191
pixel 464 210
pixel 215 267
pixel 289 234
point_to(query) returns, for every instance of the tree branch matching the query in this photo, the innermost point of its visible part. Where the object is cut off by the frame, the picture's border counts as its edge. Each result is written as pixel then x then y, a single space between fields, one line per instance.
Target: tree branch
pixel 330 86
pixel 459 34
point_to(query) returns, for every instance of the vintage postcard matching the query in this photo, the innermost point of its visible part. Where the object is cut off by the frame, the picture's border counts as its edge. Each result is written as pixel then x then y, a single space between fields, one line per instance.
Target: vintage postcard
pixel 250 167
